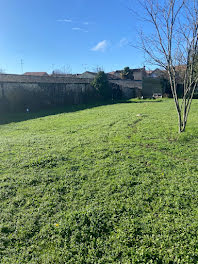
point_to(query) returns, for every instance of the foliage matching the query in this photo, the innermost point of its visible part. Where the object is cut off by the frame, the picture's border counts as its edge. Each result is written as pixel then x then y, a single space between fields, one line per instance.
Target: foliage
pixel 101 84
pixel 125 73
pixel 110 184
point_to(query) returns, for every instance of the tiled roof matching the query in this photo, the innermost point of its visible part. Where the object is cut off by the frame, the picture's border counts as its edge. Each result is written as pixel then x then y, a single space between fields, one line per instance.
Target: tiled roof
pixel 180 68
pixel 36 73
pixel 94 73
pixel 132 70
pixel 138 70
pixel 111 76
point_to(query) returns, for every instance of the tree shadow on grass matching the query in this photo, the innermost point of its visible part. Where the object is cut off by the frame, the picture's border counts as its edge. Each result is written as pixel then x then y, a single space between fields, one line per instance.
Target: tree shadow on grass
pixel 142 101
pixel 6 118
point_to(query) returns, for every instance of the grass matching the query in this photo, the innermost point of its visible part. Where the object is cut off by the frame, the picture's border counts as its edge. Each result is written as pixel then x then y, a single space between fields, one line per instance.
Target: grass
pixel 108 184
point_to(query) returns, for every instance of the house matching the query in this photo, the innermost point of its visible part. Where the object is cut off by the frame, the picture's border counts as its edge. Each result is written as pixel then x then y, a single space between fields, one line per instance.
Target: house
pixel 134 74
pixel 66 75
pixel 88 75
pixel 139 74
pixel 137 83
pixel 36 73
pixel 161 77
pixel 129 88
pixel 115 74
pixel 157 73
pixel 155 83
pixel 131 85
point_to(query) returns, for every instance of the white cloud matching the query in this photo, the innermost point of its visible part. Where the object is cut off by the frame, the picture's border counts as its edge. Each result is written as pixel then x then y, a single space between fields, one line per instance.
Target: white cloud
pixel 123 42
pixel 65 20
pixel 85 23
pixel 77 28
pixel 101 46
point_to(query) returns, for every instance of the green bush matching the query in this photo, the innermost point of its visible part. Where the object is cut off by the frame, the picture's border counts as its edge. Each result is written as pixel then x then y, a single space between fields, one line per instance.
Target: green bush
pixel 101 84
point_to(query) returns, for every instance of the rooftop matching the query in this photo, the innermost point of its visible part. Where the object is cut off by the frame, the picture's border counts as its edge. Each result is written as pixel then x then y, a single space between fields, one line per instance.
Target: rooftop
pixel 36 73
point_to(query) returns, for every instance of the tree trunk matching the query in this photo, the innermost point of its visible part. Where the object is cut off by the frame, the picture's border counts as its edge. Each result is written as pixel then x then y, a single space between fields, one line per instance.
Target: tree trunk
pixel 181 124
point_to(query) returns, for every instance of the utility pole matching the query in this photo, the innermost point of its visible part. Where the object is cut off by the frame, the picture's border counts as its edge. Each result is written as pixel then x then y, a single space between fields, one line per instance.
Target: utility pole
pixel 22 63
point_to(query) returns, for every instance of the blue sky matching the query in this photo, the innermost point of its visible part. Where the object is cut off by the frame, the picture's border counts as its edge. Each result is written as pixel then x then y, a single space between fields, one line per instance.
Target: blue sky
pixel 71 35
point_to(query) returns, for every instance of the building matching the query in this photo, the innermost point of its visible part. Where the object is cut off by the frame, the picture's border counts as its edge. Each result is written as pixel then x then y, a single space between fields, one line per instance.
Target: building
pixel 88 75
pixel 36 73
pixel 129 88
pixel 135 74
pixel 157 73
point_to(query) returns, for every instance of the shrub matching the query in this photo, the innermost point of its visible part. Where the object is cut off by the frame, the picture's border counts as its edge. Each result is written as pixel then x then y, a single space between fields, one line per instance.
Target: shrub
pixel 101 84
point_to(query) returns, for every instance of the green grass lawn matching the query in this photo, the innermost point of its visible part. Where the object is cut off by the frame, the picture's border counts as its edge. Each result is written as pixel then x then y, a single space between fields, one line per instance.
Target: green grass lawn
pixel 108 184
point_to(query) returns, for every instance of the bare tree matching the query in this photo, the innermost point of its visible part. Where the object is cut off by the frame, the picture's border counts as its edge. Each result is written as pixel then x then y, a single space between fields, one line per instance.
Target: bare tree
pixel 2 71
pixel 64 70
pixel 171 42
pixel 97 69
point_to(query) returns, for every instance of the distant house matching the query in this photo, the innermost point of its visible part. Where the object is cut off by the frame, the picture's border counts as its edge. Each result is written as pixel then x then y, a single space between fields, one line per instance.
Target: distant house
pixel 128 87
pixel 154 83
pixel 139 74
pixel 66 75
pixel 138 82
pixel 180 73
pixel 115 74
pixel 88 75
pixel 131 85
pixel 135 74
pixel 36 73
pixel 157 73
pixel 148 72
pixel 161 76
